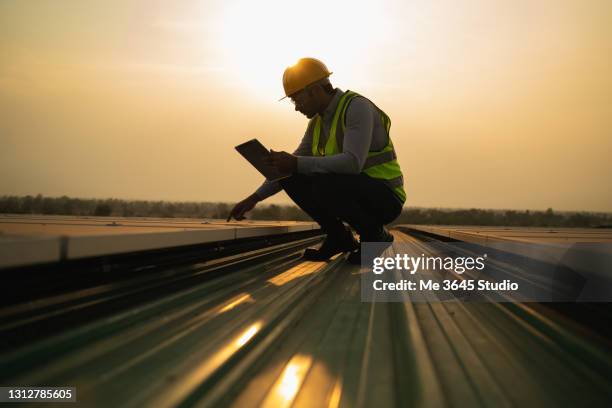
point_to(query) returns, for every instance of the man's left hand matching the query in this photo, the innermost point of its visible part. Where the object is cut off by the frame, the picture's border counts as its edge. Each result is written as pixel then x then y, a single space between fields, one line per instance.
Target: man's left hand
pixel 283 161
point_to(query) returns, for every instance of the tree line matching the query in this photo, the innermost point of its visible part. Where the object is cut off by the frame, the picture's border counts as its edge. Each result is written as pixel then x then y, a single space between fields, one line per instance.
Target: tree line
pixel 508 218
pixel 218 210
pixel 139 208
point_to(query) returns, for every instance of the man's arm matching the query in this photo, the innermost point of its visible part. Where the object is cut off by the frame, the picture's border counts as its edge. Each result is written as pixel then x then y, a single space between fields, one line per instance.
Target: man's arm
pixel 360 117
pixel 268 188
pixel 242 207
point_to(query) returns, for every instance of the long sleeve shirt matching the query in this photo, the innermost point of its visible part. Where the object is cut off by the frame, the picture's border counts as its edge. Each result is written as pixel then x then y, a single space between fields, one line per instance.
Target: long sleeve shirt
pixel 364 131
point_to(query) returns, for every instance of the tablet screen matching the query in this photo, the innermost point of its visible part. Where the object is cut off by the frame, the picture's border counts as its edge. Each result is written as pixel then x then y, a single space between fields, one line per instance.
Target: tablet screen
pixel 255 153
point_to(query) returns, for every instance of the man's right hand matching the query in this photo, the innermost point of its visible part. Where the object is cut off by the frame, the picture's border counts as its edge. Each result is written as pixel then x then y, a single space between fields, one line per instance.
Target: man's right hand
pixel 242 207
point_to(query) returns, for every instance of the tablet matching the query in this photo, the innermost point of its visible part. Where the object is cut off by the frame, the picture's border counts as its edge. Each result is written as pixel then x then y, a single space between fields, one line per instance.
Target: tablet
pixel 256 153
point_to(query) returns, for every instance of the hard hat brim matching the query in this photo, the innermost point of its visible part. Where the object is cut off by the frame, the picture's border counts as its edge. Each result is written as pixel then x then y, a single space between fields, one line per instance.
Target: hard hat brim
pixel 327 76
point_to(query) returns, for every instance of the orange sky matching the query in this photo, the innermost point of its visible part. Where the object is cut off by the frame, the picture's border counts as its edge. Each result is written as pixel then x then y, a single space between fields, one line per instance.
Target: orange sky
pixel 494 104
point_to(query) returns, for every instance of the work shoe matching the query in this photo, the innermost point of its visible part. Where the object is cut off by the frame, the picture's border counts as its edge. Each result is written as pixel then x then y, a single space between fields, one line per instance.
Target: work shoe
pixel 355 256
pixel 333 244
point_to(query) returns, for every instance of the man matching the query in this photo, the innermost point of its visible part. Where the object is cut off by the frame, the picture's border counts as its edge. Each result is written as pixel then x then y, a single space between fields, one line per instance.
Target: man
pixel 345 168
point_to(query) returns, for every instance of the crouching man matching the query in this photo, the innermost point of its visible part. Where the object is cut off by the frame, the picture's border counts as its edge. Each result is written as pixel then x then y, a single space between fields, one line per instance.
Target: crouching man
pixel 345 168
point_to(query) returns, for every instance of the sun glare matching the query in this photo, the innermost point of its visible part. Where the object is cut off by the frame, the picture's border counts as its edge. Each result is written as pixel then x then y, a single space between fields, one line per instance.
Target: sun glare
pixel 260 39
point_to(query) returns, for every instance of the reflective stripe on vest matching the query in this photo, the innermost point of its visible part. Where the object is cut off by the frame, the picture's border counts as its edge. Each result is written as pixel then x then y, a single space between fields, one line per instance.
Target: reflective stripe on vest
pixel 381 164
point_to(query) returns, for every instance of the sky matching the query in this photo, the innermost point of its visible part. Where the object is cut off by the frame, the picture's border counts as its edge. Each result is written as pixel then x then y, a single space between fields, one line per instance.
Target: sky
pixel 494 103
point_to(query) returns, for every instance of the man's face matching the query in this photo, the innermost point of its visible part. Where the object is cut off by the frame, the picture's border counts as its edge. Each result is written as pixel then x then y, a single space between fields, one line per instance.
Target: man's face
pixel 305 102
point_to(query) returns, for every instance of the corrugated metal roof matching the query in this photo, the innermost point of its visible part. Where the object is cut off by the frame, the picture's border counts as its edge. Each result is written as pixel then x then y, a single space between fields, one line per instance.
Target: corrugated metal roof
pixel 28 240
pixel 296 333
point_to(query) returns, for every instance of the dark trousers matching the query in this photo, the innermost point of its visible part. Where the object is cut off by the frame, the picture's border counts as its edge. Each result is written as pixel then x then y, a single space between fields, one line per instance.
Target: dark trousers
pixel 366 204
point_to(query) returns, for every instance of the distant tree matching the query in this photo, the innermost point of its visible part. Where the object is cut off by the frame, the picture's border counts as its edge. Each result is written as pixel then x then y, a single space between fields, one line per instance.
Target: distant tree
pixel 103 210
pixel 270 212
pixel 221 211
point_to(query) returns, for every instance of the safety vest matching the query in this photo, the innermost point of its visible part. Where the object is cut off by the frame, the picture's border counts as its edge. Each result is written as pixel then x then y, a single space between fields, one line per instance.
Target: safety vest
pixel 380 164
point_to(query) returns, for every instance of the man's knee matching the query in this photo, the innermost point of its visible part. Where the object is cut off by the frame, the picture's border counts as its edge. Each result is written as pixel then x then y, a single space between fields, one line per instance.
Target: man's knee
pixel 323 188
pixel 295 180
pixel 338 186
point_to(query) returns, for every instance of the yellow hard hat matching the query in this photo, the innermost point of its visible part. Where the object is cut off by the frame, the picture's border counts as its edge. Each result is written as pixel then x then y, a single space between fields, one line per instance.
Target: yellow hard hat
pixel 305 72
